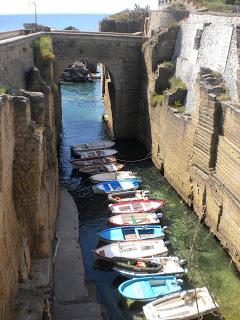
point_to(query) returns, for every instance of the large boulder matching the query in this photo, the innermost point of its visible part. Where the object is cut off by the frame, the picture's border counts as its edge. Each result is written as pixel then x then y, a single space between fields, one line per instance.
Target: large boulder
pixel 76 72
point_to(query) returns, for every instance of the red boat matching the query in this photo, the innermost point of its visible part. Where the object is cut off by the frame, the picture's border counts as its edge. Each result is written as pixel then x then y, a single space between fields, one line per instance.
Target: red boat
pixel 136 206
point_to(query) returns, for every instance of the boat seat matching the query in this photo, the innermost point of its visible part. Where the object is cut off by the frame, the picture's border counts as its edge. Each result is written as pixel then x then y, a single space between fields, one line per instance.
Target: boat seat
pixel 143 288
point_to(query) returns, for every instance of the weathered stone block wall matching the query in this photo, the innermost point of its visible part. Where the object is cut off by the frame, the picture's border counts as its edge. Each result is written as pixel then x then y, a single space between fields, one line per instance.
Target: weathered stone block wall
pixel 121 26
pixel 207 40
pixel 29 197
pixel 163 19
pixel 16 57
pixel 29 126
pixel 199 153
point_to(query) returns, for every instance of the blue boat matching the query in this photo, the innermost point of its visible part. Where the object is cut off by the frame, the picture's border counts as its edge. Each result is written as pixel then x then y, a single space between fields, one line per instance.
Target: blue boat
pixel 116 186
pixel 149 288
pixel 131 233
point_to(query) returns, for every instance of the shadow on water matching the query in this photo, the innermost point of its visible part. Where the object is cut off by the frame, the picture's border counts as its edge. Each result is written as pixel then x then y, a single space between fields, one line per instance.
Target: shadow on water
pixel 211 266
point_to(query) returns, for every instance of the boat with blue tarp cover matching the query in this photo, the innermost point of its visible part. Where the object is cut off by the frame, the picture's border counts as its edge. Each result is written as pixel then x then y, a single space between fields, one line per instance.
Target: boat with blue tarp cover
pixel 131 233
pixel 116 185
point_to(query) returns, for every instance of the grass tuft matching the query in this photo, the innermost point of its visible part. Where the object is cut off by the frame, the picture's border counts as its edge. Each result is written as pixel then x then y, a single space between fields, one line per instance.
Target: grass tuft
pixel 157 98
pixel 176 83
pixel 223 97
pixel 43 50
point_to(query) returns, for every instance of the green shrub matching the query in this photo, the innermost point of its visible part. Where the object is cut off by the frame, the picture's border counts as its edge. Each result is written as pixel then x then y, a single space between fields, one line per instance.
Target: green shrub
pixel 157 98
pixel 176 83
pixel 218 6
pixel 3 90
pixel 135 14
pixel 216 74
pixel 43 50
pixel 223 97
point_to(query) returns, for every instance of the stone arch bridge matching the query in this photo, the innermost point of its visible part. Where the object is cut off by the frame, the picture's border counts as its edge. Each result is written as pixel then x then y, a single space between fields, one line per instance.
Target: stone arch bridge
pixel 119 53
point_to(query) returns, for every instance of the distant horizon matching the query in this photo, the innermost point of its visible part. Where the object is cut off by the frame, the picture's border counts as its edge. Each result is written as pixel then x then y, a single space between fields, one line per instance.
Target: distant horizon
pixel 55 13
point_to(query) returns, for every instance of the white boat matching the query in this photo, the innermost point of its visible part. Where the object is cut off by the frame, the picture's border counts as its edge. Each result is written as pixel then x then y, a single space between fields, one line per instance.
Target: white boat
pixel 159 266
pixel 133 219
pixel 128 196
pixel 112 176
pixel 136 206
pixel 132 249
pixel 184 305
pixel 97 154
pixel 92 146
pixel 98 168
pixel 77 164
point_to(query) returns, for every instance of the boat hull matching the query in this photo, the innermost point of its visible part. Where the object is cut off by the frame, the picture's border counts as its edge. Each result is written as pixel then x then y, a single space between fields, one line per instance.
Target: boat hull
pixel 131 233
pixel 128 196
pixel 116 186
pixel 136 206
pixel 77 164
pixel 149 288
pixel 91 146
pixel 162 266
pixel 97 154
pixel 131 249
pixel 101 177
pixel 141 218
pixel 181 306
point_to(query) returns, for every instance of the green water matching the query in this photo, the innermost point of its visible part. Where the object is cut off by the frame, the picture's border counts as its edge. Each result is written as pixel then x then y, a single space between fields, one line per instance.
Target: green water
pixel 210 265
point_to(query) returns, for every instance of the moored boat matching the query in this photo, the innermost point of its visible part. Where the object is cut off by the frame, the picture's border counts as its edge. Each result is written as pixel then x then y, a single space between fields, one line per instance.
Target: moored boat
pixel 128 196
pixel 136 206
pixel 77 164
pixel 116 185
pixel 132 249
pixel 101 177
pixel 131 233
pixel 98 168
pixel 149 288
pixel 137 268
pixel 97 154
pixel 185 305
pixel 140 218
pixel 92 146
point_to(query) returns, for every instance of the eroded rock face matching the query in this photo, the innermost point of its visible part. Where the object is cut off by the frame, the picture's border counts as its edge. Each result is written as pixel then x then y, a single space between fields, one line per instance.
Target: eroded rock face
pixel 28 194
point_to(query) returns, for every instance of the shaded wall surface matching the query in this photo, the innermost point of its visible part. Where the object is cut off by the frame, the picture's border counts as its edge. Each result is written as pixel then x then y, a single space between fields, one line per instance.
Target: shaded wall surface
pixel 29 126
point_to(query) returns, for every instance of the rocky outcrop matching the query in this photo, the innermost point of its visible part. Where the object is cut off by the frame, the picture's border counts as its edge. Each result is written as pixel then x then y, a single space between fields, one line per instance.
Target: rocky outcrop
pixel 76 72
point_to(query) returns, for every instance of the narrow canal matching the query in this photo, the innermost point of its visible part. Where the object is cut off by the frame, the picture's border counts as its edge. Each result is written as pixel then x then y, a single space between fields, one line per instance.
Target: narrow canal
pixel 211 266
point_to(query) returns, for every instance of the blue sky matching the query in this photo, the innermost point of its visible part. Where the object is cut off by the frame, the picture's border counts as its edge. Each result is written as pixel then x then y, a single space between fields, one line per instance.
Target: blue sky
pixel 71 6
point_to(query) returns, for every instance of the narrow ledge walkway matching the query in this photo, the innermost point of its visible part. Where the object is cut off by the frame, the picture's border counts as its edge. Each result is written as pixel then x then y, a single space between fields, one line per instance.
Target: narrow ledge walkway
pixel 73 299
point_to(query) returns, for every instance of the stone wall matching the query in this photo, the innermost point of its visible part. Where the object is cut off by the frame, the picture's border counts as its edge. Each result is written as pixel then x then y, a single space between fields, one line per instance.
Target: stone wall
pixel 163 19
pixel 121 26
pixel 29 126
pixel 121 55
pixel 216 49
pixel 199 152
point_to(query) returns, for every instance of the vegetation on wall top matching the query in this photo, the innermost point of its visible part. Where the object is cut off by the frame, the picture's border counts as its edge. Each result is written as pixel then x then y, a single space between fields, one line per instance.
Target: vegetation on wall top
pixel 135 14
pixel 43 51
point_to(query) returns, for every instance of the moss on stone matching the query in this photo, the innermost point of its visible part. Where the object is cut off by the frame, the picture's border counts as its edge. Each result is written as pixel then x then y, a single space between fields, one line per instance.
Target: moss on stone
pixel 3 90
pixel 176 83
pixel 43 50
pixel 223 97
pixel 157 98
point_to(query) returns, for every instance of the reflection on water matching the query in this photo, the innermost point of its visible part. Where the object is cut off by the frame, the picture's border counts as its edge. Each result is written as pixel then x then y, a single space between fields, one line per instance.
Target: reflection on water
pixel 211 266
